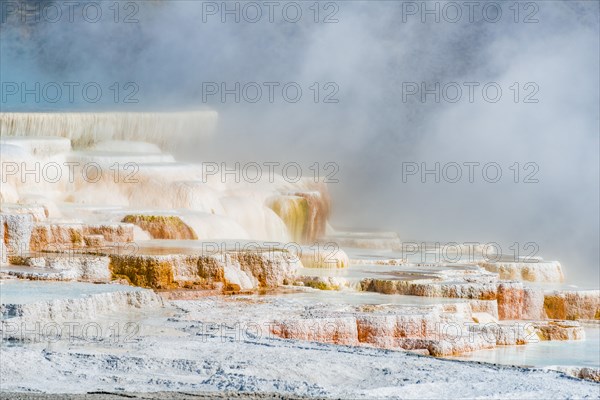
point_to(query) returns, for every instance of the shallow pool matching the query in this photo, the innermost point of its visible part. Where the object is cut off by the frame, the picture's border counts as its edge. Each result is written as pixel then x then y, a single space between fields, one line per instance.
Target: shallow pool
pixel 582 353
pixel 25 292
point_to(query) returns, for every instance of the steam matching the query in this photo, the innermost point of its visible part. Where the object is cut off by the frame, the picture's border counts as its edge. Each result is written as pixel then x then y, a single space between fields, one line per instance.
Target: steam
pixel 371 131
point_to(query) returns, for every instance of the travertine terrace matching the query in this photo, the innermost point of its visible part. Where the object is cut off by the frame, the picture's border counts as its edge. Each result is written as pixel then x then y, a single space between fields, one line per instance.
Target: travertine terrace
pixel 164 238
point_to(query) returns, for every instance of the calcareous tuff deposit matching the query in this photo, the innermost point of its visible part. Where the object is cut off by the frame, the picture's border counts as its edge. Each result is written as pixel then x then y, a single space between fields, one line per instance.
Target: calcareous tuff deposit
pixel 185 260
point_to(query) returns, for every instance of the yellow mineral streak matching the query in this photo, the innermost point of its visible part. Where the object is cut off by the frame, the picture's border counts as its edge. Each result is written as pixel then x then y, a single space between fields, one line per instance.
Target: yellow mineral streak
pixel 293 210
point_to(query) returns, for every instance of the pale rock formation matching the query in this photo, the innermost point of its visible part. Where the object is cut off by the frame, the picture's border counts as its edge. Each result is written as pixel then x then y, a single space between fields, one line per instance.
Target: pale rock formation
pixel 211 226
pixel 91 306
pixel 326 256
pixel 56 237
pixel 501 334
pixel 572 305
pixel 162 226
pixel 591 374
pixel 438 332
pixel 49 206
pixel 533 304
pixel 559 330
pixel 17 230
pixel 37 212
pixel 13 159
pixel 212 208
pixel 146 184
pixel 526 271
pixel 448 347
pixel 489 307
pixel 237 280
pixel 140 235
pixel 272 268
pixel 460 311
pixel 118 166
pixel 12 153
pixel 112 233
pixel 195 196
pixel 484 318
pixel 26 173
pixel 236 270
pixel 126 146
pixel 323 282
pixel 259 221
pixel 342 330
pixel 485 289
pixel 365 240
pixel 64 236
pixel 380 330
pixel 8 193
pixel 384 261
pixel 40 275
pixel 38 146
pixel 99 194
pixel 94 241
pixel 61 266
pixel 3 249
pixel 515 301
pixel 152 178
pixel 86 129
